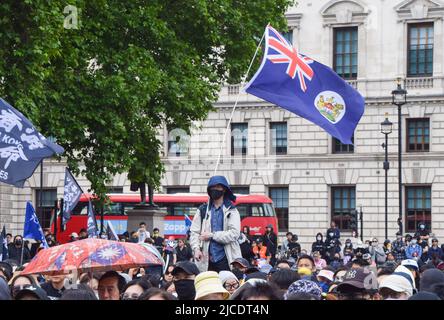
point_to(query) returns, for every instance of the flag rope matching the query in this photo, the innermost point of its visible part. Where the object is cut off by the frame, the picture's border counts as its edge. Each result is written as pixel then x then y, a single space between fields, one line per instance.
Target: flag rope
pixel 235 104
pixel 229 121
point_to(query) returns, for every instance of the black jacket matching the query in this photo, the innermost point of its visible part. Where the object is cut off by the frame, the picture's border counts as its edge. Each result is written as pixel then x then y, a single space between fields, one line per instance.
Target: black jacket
pixel 16 254
pixel 319 245
pixel 270 241
pixel 184 254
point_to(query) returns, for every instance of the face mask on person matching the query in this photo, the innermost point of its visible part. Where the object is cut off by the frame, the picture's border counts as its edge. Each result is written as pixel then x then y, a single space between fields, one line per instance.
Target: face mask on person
pixel 414 241
pixel 185 289
pixel 18 242
pixel 348 244
pixel 336 258
pixel 215 194
pixel 319 238
pixel 422 227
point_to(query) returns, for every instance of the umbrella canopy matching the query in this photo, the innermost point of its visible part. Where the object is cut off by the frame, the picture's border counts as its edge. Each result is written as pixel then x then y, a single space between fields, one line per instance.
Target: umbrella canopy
pixel 90 255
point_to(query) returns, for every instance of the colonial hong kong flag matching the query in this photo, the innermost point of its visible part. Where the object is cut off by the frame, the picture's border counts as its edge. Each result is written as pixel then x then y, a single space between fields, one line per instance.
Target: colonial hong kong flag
pixel 307 88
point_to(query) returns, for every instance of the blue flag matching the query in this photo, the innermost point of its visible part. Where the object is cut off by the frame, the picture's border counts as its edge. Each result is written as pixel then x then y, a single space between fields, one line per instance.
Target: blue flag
pixel 71 195
pixel 188 222
pixel 32 229
pixel 22 147
pixel 3 245
pixel 92 223
pixel 307 88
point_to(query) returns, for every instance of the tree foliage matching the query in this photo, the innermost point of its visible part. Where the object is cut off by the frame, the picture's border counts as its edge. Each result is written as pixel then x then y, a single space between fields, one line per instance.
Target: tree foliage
pixel 103 88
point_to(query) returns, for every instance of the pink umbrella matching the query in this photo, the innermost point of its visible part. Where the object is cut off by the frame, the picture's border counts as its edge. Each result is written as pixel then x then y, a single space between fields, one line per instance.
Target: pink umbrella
pixel 90 255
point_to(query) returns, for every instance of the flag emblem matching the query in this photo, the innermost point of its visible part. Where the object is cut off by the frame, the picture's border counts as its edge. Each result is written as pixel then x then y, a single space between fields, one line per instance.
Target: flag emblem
pixel 330 105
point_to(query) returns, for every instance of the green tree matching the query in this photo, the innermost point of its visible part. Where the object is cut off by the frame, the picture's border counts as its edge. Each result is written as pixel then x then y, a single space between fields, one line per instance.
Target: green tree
pixel 104 87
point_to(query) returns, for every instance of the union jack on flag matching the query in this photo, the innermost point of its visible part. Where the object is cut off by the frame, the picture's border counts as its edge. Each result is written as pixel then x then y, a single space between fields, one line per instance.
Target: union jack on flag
pixel 307 88
pixel 297 63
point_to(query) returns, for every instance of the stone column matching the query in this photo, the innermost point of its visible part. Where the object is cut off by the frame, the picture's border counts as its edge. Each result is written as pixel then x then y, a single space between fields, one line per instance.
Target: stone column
pixel 152 216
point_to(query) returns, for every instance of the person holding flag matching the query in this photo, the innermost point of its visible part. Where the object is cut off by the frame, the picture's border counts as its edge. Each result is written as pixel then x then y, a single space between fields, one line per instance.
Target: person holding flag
pixel 306 87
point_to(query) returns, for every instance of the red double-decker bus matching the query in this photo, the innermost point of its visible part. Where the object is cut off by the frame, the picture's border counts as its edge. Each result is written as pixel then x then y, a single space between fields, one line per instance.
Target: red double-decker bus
pixel 256 211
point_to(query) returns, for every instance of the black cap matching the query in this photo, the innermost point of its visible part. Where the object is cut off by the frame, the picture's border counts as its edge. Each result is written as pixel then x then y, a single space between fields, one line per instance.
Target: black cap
pixel 36 291
pixel 359 279
pixel 186 266
pixel 243 262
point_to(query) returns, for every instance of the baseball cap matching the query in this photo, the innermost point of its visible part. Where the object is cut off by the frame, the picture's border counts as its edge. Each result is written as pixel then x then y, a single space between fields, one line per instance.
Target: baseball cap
pixel 38 292
pixel 186 266
pixel 326 274
pixel 397 283
pixel 359 279
pixel 410 263
pixel 243 262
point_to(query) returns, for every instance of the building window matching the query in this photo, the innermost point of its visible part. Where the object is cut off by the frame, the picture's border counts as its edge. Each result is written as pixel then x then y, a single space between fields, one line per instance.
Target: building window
pixel 420 50
pixel 240 189
pixel 419 207
pixel 177 144
pixel 418 137
pixel 339 147
pixel 45 211
pixel 239 138
pixel 343 202
pixel 279 195
pixel 288 36
pixel 278 132
pixel 173 190
pixel 345 54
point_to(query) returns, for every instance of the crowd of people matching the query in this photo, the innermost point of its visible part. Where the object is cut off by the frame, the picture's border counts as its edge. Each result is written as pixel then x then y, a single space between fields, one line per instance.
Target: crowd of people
pixel 218 261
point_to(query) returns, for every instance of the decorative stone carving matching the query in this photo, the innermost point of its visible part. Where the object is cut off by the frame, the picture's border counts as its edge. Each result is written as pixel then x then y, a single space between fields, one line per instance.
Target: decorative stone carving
pixel 420 9
pixel 344 12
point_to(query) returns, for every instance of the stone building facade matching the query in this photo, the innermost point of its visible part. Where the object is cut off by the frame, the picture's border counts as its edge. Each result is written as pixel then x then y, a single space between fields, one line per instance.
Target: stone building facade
pixel 311 177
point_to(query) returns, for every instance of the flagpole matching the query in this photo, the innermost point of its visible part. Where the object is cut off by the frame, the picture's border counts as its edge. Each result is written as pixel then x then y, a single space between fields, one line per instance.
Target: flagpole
pixel 231 116
pixel 23 246
pixel 236 102
pixel 55 220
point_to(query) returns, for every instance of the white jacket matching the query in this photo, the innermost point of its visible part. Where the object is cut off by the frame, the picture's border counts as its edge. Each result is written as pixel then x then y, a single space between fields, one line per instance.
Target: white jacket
pixel 228 237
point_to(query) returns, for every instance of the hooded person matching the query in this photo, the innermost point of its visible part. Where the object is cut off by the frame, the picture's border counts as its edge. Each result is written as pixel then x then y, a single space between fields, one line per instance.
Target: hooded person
pixel 215 229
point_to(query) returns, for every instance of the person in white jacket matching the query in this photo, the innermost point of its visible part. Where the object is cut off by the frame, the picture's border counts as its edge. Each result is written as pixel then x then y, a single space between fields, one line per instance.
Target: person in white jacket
pixel 215 230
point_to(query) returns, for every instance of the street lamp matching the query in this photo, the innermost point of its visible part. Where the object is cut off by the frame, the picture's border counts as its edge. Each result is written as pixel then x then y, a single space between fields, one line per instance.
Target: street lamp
pixel 399 98
pixel 386 129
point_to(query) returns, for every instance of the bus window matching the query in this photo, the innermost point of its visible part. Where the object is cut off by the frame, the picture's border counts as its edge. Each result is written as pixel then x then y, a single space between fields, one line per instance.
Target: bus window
pixel 257 210
pixel 243 210
pixel 80 209
pixel 269 212
pixel 113 209
pixel 183 209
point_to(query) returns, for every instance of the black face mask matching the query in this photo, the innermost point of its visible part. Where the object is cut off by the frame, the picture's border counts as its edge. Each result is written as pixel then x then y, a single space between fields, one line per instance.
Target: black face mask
pixel 18 242
pixel 185 289
pixel 215 194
